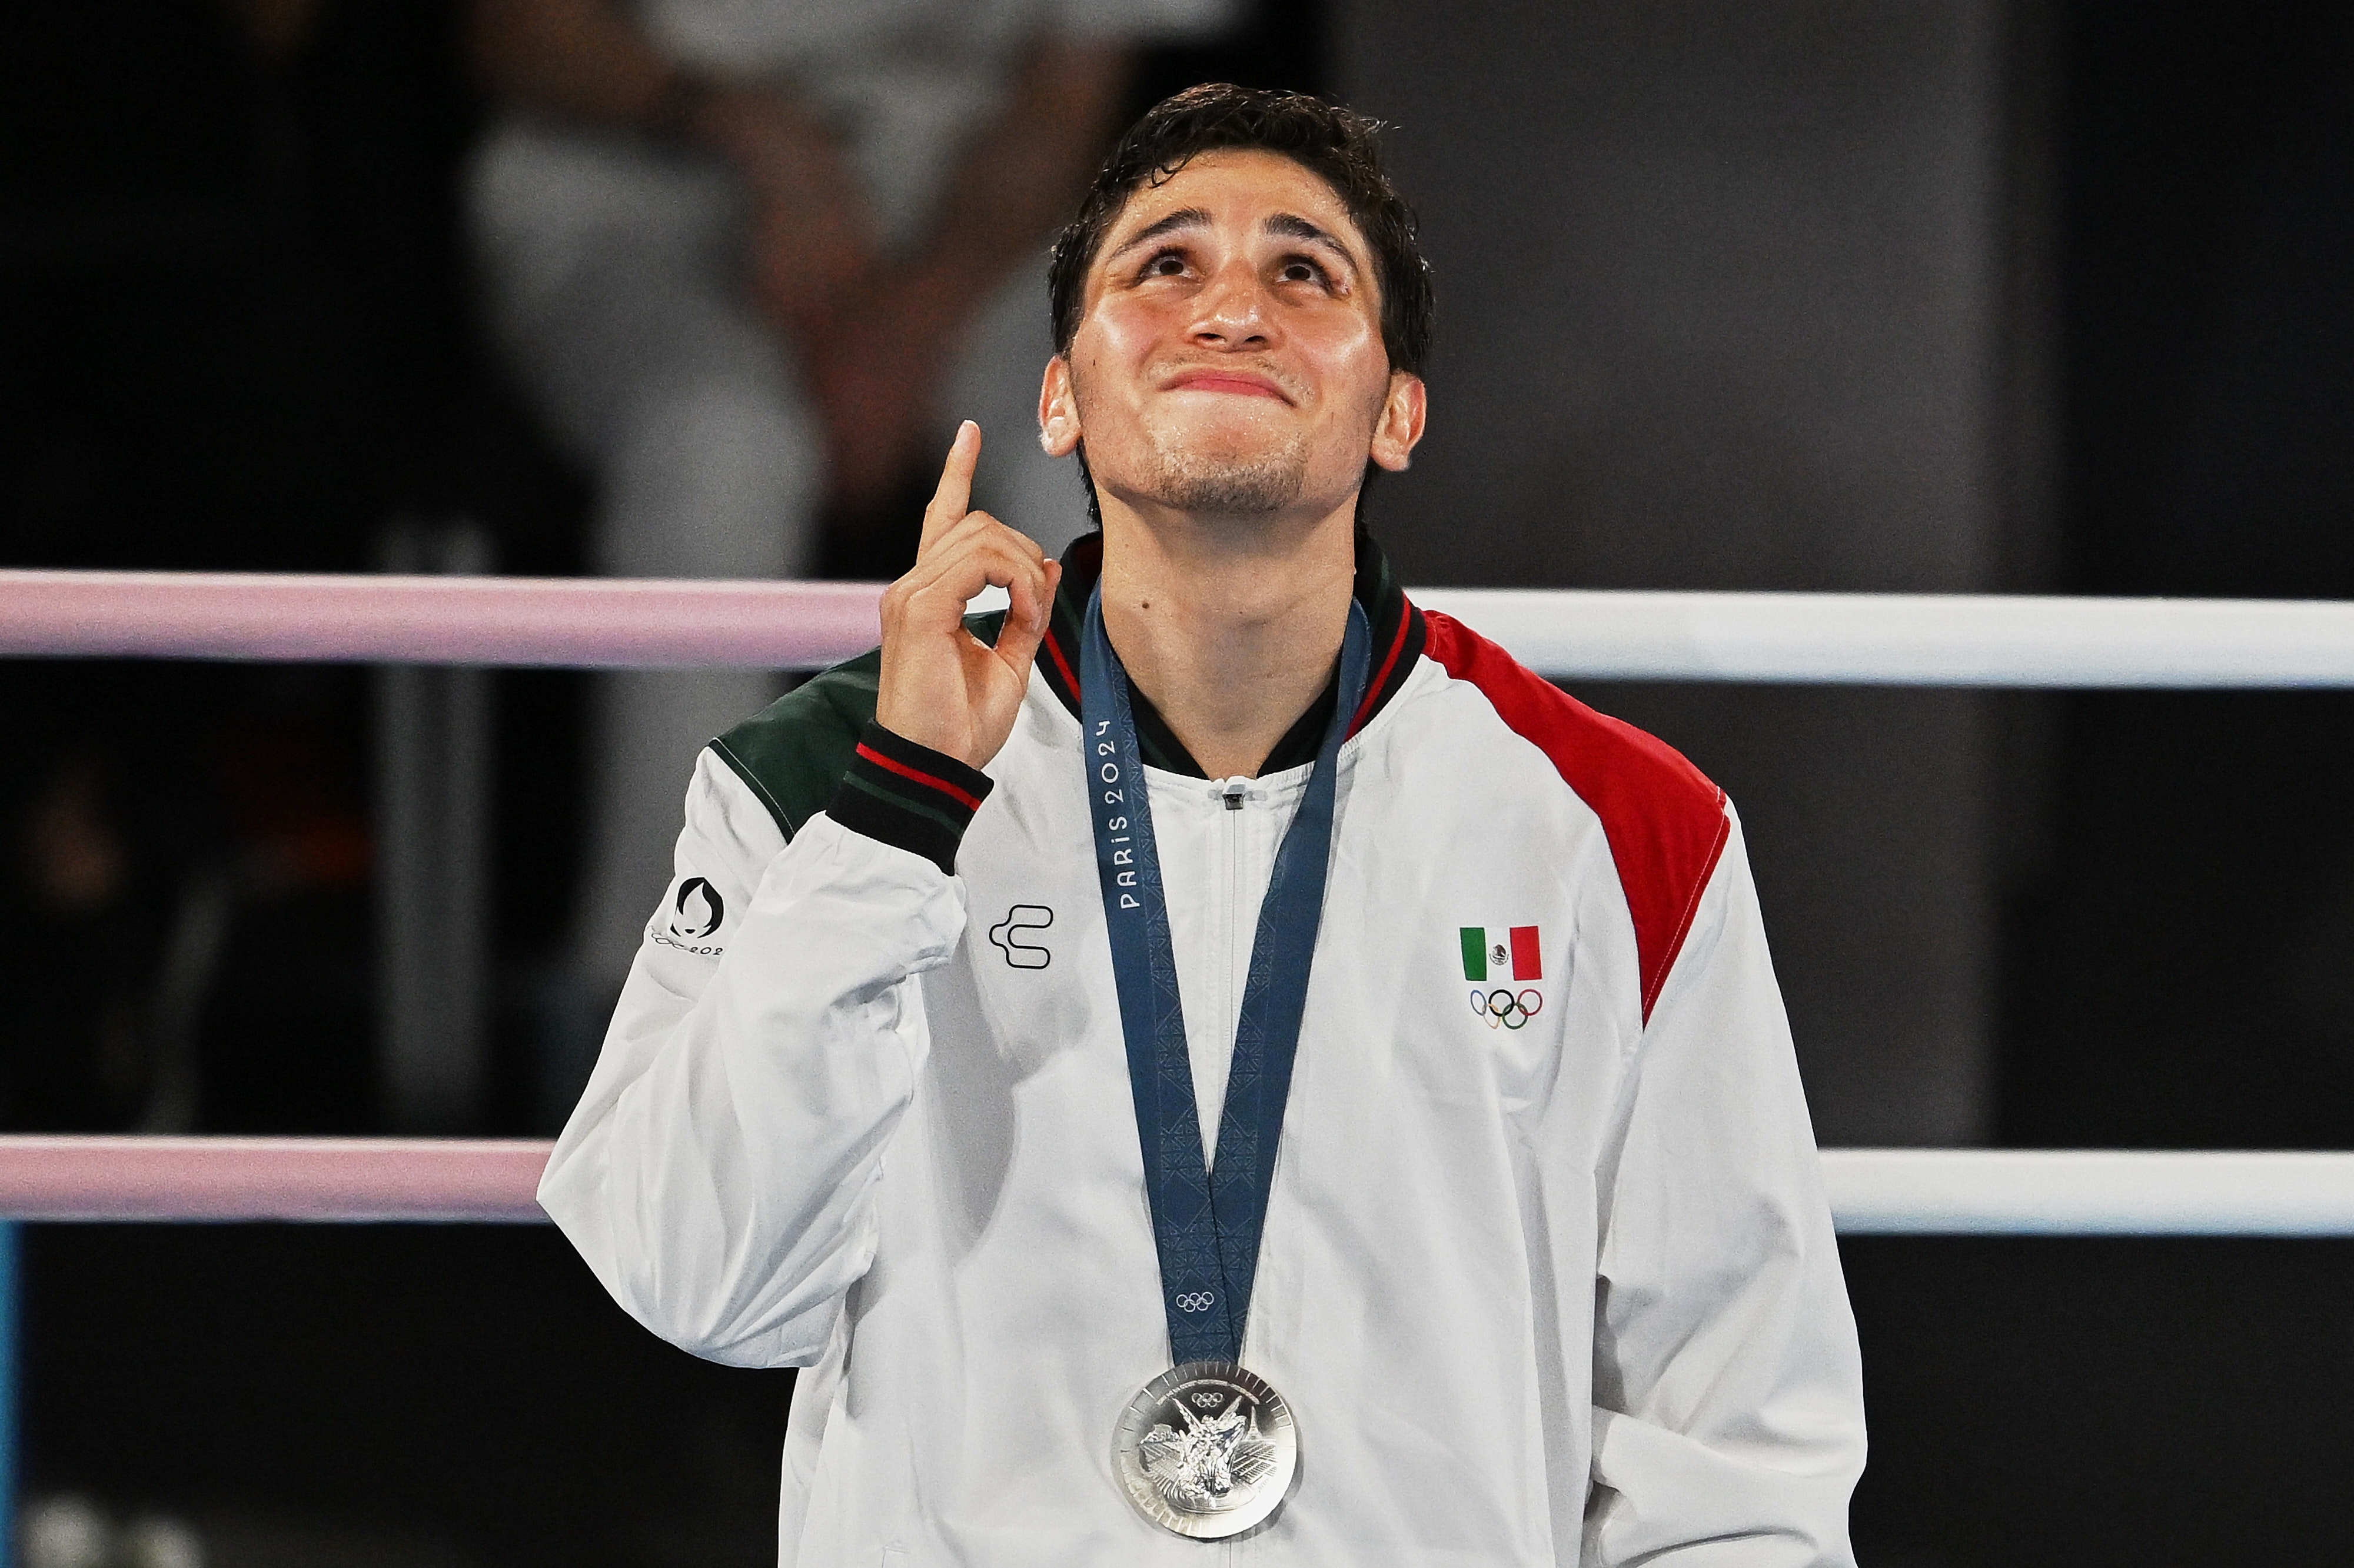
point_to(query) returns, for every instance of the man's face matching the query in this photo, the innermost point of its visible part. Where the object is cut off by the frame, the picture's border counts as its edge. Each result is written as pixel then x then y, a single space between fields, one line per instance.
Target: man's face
pixel 1229 358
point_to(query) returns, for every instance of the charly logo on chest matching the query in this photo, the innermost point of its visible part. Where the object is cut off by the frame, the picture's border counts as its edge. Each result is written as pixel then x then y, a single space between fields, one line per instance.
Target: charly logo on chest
pixel 1506 968
pixel 1015 935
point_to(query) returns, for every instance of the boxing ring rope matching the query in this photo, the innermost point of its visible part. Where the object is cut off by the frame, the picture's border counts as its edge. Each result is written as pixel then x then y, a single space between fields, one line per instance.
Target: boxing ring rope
pixel 45 1177
pixel 1874 1192
pixel 610 623
pixel 1941 640
pixel 1851 638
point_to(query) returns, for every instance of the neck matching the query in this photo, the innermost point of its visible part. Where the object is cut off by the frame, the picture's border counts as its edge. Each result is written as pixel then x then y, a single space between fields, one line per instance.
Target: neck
pixel 1231 627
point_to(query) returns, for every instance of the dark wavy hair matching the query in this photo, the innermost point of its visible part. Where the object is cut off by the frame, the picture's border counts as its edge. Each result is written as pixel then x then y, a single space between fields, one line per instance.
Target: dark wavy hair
pixel 1336 144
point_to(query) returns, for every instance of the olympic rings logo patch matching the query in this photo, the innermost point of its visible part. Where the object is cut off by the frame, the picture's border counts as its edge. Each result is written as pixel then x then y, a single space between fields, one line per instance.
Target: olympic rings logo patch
pixel 1196 1302
pixel 1502 1009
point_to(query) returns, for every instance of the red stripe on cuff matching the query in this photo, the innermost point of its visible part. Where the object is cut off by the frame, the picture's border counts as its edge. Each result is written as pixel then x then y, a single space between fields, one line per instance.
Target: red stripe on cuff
pixel 972 804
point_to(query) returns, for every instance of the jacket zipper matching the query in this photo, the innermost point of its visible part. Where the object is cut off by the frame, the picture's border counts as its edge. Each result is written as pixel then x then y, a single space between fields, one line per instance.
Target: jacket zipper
pixel 1242 927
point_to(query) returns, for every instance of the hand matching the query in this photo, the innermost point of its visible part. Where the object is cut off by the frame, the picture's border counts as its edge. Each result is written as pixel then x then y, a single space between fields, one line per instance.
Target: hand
pixel 808 242
pixel 875 370
pixel 942 686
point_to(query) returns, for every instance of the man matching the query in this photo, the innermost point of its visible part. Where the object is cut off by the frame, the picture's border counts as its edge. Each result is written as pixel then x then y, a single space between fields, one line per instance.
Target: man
pixel 1406 1066
pixel 732 247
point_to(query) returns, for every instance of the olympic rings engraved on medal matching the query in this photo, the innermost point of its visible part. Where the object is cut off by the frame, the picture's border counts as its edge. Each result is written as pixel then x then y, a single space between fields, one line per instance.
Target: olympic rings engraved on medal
pixel 1502 1009
pixel 1196 1302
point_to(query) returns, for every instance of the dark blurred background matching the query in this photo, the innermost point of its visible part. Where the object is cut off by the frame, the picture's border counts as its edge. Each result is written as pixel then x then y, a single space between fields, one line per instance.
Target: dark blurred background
pixel 1981 296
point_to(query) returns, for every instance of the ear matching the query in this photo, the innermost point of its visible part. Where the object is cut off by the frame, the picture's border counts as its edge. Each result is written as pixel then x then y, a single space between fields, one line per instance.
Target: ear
pixel 1399 424
pixel 1059 411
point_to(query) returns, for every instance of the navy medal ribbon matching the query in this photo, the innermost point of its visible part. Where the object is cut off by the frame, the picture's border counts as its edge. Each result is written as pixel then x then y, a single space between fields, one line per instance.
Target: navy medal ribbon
pixel 1206 1221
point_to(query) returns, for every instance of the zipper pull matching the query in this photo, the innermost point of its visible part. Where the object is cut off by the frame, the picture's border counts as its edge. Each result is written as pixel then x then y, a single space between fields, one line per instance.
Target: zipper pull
pixel 1233 791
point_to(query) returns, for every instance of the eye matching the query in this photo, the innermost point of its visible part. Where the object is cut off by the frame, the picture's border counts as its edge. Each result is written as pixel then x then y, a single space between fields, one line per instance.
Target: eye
pixel 1165 264
pixel 1300 270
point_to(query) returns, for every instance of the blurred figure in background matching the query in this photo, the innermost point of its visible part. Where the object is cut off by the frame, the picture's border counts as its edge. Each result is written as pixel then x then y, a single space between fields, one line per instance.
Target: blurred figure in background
pixel 730 246
pixel 235 340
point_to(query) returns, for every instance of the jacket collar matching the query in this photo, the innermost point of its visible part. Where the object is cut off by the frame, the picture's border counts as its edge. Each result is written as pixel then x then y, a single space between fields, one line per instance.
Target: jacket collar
pixel 1397 642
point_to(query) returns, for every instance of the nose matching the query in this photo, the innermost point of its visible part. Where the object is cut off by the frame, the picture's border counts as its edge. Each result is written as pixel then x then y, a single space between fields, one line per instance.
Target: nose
pixel 1232 312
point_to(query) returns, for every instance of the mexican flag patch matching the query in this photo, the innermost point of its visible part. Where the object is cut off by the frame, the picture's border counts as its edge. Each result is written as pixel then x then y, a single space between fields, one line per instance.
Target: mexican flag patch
pixel 1520 951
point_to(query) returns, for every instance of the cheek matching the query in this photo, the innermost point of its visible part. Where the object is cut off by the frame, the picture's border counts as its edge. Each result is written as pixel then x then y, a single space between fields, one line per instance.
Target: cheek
pixel 1125 335
pixel 1348 358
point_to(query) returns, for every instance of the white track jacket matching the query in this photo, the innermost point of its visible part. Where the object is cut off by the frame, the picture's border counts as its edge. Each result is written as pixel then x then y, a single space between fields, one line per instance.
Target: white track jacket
pixel 1547 1277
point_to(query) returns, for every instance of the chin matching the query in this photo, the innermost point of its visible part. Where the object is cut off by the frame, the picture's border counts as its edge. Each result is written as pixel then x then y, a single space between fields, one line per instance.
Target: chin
pixel 1238 486
pixel 1245 437
pixel 1220 463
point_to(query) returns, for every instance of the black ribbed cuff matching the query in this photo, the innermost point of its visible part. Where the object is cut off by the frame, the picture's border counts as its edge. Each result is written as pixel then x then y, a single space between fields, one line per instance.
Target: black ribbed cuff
pixel 909 796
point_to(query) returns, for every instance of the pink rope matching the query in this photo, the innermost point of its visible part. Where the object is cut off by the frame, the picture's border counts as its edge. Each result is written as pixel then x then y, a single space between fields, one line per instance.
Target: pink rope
pixel 620 622
pixel 44 1177
pixel 1874 1192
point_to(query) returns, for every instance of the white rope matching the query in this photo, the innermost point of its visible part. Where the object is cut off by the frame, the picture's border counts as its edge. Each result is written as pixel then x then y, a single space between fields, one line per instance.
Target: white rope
pixel 1874 1192
pixel 1913 639
pixel 2083 1193
pixel 1955 640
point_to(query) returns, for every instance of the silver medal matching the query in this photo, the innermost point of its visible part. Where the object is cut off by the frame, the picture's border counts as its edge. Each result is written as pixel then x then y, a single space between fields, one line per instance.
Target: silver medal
pixel 1206 1449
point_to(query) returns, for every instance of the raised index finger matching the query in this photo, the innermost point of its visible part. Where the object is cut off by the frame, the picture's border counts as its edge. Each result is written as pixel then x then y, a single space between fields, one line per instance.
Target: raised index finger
pixel 953 499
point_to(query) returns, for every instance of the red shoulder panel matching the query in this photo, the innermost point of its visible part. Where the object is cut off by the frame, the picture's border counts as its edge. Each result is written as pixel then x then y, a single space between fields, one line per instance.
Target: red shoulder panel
pixel 1666 822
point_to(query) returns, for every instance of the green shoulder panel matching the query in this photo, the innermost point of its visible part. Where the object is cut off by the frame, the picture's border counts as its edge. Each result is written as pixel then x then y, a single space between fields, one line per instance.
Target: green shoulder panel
pixel 793 752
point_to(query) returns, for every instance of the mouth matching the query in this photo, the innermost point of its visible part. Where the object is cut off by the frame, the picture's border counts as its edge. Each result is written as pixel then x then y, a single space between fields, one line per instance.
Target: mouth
pixel 1237 383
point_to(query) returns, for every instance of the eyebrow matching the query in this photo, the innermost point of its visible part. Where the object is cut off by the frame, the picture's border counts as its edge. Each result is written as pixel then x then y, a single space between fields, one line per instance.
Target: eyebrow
pixel 1291 226
pixel 1183 218
pixel 1285 224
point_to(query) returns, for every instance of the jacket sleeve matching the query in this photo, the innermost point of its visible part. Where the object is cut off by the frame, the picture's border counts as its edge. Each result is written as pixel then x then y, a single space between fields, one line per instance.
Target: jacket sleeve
pixel 718 1174
pixel 1728 1421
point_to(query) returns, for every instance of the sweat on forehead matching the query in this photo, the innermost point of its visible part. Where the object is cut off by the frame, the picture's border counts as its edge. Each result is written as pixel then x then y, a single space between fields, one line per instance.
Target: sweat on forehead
pixel 1338 147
